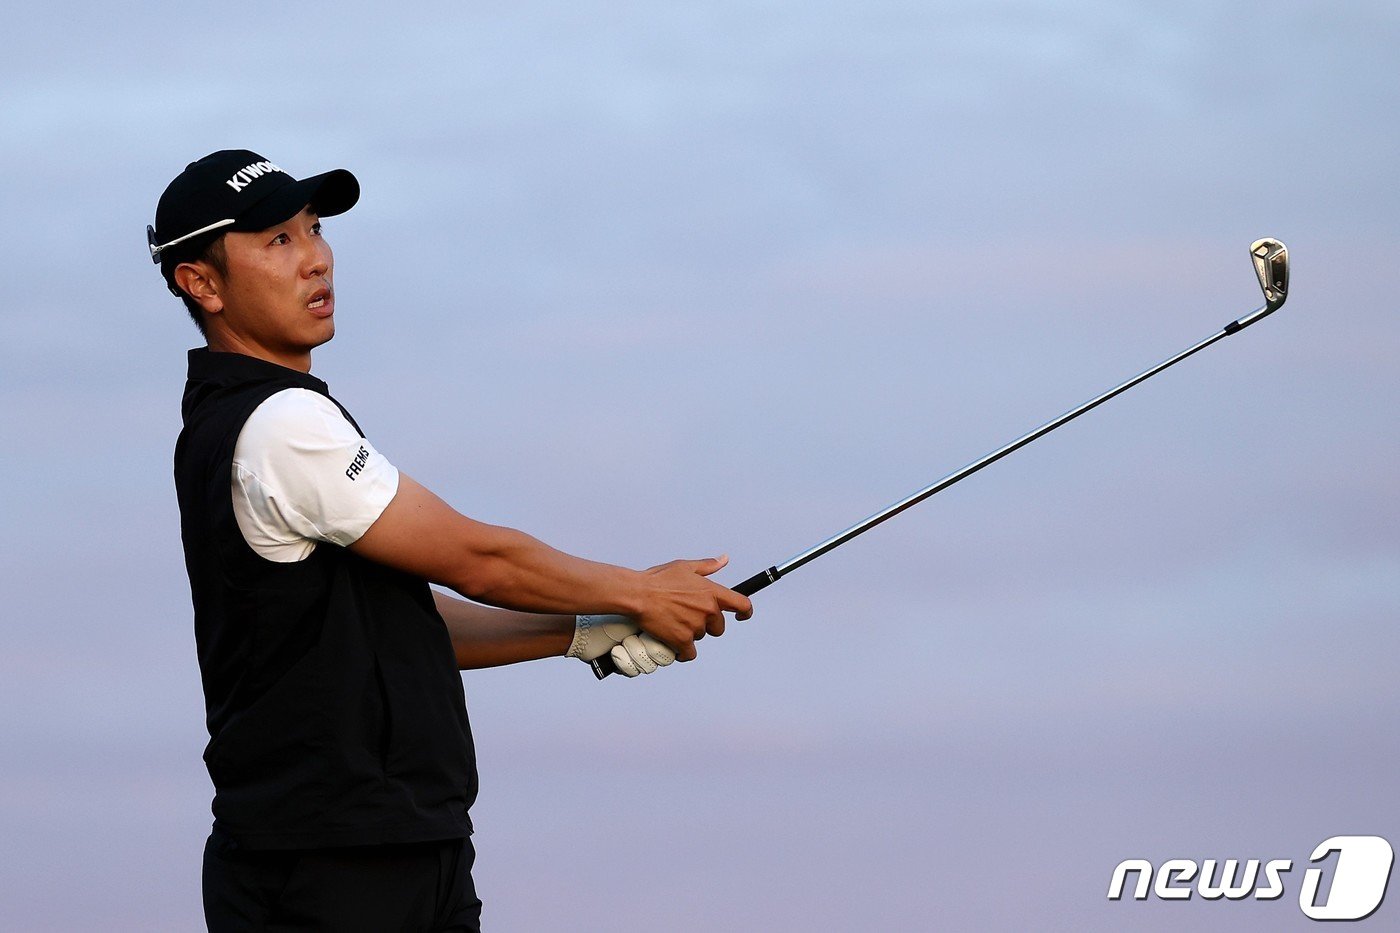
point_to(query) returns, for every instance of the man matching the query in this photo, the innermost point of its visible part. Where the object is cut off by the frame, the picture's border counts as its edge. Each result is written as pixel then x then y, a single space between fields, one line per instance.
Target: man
pixel 340 750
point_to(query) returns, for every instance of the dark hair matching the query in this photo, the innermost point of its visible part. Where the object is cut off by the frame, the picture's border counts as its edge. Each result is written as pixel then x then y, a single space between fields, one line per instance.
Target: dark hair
pixel 201 250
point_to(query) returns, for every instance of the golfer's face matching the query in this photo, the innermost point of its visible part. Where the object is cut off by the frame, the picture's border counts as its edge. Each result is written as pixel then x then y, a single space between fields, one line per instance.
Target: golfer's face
pixel 278 291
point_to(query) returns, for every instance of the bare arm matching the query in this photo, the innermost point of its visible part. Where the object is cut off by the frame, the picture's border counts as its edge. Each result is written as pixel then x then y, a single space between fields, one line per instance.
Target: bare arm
pixel 420 534
pixel 487 637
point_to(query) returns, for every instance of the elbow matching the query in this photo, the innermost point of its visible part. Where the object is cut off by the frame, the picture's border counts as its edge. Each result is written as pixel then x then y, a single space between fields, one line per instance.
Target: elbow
pixel 487 571
pixel 487 580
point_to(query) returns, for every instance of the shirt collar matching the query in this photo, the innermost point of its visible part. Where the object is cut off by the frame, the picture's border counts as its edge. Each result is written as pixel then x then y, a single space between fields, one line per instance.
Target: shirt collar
pixel 231 368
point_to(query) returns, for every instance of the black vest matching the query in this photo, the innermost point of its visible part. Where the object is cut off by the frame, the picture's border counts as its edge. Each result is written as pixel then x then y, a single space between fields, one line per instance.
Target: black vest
pixel 335 708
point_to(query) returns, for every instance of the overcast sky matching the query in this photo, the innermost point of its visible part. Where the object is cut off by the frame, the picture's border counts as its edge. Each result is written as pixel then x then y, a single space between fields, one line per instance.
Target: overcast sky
pixel 651 282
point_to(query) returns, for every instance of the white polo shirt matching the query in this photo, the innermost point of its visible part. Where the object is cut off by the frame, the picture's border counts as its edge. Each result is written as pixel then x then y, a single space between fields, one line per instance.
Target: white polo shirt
pixel 302 475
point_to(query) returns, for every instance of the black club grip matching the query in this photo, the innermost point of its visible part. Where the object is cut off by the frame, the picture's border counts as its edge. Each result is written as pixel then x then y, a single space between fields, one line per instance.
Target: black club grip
pixel 603 665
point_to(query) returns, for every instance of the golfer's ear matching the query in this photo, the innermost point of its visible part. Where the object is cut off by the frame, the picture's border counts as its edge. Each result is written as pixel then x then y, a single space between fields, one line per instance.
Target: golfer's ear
pixel 194 278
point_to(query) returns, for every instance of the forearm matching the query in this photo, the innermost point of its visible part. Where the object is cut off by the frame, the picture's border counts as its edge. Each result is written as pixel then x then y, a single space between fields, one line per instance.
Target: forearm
pixel 517 571
pixel 492 564
pixel 420 534
pixel 486 637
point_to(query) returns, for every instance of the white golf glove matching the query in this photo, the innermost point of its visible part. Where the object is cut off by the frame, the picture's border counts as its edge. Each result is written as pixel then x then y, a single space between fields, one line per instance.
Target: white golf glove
pixel 633 651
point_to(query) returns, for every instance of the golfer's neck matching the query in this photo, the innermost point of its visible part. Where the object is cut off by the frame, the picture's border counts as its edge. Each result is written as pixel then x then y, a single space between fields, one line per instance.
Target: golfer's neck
pixel 223 341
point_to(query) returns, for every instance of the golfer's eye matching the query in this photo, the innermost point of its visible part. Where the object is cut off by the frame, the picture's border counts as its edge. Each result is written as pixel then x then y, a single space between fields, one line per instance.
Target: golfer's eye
pixel 316 228
pixel 281 239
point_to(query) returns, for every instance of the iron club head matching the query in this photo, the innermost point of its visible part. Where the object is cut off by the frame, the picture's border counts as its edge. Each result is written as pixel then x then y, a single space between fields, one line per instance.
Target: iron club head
pixel 1271 265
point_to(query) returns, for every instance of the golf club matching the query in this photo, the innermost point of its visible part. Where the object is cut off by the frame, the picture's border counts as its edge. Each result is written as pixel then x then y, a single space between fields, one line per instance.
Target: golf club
pixel 1270 264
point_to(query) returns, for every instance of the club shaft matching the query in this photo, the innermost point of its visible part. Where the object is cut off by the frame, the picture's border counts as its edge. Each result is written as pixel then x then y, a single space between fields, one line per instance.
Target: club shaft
pixel 773 573
pixel 603 666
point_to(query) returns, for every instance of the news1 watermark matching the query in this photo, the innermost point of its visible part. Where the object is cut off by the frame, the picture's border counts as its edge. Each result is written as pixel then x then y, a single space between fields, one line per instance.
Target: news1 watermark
pixel 1348 883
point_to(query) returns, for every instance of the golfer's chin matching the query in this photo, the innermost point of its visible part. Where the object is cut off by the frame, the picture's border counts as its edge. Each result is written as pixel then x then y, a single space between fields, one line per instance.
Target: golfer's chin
pixel 315 332
pixel 324 331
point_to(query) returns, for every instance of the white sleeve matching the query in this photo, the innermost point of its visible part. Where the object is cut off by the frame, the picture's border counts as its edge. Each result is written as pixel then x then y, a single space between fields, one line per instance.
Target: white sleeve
pixel 302 474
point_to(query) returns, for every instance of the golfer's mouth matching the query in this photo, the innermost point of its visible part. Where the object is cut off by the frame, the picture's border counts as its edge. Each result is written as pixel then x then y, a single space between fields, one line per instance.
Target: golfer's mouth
pixel 322 301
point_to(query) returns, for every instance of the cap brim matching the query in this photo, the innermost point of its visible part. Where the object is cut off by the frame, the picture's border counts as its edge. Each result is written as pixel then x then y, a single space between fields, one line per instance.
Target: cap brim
pixel 328 194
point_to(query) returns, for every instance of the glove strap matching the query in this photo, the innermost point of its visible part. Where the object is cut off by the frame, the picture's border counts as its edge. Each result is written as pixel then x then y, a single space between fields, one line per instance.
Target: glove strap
pixel 582 626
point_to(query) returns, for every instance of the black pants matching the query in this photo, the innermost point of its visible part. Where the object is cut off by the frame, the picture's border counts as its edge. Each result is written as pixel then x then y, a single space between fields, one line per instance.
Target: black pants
pixel 408 887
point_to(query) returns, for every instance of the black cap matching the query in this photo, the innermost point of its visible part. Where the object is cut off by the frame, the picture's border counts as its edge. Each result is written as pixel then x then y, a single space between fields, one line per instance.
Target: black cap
pixel 235 189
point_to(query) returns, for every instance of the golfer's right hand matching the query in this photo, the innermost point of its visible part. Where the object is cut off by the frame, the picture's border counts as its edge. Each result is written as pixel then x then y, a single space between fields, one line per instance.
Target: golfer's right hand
pixel 681 606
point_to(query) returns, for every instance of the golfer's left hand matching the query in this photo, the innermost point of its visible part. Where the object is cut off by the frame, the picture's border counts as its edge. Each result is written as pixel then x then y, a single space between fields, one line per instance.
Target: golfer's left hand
pixel 632 651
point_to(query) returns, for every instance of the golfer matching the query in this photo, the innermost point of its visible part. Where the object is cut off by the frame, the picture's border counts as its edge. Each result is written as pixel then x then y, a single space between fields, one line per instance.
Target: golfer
pixel 339 746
